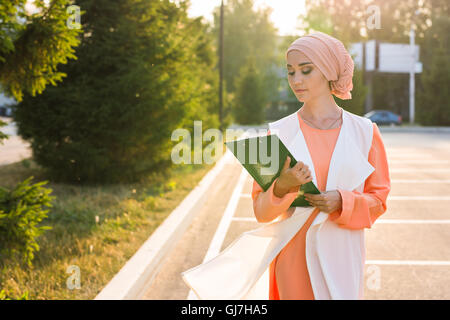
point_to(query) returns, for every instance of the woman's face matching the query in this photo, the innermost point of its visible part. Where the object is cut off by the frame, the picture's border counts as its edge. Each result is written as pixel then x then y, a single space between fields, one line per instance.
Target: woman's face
pixel 302 74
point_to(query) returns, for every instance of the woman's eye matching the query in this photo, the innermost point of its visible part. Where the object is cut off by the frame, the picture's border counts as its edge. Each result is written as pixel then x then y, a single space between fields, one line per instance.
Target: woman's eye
pixel 304 72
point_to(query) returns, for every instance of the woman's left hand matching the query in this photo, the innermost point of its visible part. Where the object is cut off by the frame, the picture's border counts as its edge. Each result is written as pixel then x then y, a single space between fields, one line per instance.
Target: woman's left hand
pixel 327 202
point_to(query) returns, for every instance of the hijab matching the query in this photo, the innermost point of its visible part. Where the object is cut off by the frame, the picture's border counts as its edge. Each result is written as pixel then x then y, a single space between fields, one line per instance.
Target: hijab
pixel 330 56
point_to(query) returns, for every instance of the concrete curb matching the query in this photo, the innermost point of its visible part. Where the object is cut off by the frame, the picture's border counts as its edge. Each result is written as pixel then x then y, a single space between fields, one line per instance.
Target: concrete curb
pixel 417 129
pixel 413 129
pixel 383 128
pixel 131 282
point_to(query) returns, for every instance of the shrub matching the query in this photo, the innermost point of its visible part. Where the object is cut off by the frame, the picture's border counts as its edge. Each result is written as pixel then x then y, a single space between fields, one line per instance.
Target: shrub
pixel 21 210
pixel 4 295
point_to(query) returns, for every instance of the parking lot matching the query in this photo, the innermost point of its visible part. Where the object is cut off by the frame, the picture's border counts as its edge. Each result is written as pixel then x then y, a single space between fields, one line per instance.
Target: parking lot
pixel 408 247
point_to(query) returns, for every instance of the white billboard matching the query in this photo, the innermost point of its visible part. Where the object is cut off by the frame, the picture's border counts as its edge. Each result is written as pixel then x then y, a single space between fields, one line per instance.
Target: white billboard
pixel 392 57
pixel 398 58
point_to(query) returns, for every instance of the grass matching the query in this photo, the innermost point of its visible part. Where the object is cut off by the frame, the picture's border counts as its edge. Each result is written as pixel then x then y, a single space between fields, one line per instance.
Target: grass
pixel 96 229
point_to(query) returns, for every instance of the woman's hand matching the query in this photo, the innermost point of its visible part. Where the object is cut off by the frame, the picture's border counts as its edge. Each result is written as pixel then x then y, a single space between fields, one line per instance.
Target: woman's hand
pixel 291 177
pixel 295 176
pixel 327 202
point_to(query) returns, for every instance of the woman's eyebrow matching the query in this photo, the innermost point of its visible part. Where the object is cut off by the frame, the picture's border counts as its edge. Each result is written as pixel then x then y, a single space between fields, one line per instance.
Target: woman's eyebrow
pixel 300 64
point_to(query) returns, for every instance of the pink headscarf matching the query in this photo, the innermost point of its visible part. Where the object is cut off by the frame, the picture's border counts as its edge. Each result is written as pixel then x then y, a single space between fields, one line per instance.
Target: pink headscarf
pixel 332 59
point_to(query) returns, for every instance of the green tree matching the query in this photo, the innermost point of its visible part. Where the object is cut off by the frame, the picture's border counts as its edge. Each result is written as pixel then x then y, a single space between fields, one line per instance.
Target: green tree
pixel 143 70
pixel 348 21
pixel 248 34
pixel 250 98
pixel 432 99
pixel 359 92
pixel 33 45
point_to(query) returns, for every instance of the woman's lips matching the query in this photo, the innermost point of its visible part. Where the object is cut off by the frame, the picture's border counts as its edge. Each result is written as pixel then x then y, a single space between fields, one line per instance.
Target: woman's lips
pixel 300 90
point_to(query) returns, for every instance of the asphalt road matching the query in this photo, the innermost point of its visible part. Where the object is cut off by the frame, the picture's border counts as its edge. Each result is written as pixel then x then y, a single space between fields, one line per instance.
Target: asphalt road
pixel 408 247
pixel 14 148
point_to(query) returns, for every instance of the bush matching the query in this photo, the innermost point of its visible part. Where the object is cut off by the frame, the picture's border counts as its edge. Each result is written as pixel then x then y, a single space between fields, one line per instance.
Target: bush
pixel 21 210
pixel 4 295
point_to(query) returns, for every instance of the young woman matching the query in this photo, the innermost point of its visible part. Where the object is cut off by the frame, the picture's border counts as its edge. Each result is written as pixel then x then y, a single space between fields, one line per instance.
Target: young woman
pixel 314 252
pixel 319 67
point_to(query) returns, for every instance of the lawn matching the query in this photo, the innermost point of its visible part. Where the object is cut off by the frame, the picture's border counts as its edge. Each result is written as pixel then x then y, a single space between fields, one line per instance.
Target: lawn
pixel 96 229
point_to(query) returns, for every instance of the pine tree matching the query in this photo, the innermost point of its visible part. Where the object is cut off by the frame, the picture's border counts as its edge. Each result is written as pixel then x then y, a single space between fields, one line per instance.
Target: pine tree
pixel 137 78
pixel 250 96
pixel 434 96
pixel 33 45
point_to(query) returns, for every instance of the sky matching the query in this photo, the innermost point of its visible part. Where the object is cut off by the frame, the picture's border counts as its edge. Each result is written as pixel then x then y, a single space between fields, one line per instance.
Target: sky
pixel 284 15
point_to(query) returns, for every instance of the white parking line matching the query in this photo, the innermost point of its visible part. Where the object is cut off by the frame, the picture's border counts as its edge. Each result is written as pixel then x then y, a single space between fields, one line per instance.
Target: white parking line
pixel 420 170
pixel 219 236
pixel 414 221
pixel 391 262
pixel 436 198
pixel 419 181
pixel 419 161
pixel 384 221
pixel 246 219
pixel 392 155
pixel 228 217
pixel 410 262
pixel 411 154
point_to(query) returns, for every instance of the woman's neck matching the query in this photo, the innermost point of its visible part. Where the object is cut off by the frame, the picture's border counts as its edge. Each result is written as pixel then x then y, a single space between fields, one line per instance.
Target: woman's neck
pixel 321 109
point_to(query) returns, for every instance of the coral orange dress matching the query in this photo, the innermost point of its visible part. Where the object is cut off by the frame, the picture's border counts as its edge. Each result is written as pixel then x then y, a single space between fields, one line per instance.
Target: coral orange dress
pixel 288 273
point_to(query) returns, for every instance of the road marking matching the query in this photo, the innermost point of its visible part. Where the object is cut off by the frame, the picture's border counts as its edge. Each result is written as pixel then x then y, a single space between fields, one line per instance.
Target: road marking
pixel 420 161
pixel 436 198
pixel 410 262
pixel 419 170
pixel 219 236
pixel 419 181
pixel 228 217
pixel 388 221
pixel 414 221
pixel 246 219
pixel 407 155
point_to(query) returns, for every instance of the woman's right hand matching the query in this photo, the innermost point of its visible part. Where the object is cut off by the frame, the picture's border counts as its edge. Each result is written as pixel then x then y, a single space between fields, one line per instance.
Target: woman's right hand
pixel 295 176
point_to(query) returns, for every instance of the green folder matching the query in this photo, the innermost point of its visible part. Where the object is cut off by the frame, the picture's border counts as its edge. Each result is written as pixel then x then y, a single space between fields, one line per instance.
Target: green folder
pixel 255 155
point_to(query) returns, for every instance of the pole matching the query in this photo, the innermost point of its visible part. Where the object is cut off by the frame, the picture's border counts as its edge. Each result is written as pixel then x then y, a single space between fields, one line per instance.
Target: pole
pixel 411 76
pixel 221 69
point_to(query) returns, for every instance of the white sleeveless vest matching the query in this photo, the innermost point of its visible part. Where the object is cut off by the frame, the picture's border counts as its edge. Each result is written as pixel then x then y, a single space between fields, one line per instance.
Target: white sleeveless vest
pixel 335 256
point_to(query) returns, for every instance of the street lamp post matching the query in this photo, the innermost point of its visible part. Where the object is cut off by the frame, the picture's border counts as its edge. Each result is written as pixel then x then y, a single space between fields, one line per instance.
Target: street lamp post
pixel 412 76
pixel 221 69
pixel 412 70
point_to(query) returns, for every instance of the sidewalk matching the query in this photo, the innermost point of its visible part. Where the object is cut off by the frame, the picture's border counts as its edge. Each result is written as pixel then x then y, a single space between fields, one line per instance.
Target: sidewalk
pixel 14 148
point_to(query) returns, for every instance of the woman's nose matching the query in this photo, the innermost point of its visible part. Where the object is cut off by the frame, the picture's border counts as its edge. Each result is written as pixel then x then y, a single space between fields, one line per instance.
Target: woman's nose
pixel 298 80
